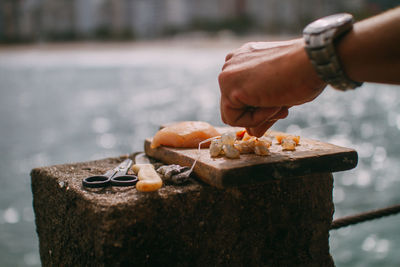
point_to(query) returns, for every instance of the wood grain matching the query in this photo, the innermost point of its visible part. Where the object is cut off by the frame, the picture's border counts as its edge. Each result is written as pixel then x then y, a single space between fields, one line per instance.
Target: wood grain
pixel 311 156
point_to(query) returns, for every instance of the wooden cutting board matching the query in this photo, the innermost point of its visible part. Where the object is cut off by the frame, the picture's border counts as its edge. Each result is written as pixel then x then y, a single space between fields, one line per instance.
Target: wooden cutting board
pixel 311 156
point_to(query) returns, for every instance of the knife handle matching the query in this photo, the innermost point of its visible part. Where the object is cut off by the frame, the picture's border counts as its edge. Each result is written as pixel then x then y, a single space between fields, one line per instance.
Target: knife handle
pixel 149 180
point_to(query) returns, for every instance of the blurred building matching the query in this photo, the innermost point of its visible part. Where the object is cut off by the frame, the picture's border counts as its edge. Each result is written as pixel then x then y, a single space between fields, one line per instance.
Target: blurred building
pixel 29 20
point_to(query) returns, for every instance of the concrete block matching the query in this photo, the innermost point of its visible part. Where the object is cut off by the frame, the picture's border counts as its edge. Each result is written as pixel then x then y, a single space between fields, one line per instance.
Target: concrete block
pixel 281 222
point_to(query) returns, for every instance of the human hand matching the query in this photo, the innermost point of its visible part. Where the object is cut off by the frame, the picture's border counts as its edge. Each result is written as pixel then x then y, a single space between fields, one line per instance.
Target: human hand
pixel 260 81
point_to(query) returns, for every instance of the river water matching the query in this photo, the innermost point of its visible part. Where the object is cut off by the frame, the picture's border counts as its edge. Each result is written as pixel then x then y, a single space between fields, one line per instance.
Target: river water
pixel 78 102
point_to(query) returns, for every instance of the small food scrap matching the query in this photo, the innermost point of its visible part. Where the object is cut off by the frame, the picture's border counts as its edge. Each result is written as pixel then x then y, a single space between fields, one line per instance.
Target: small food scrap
pixel 288 142
pixel 232 144
pixel 186 134
pixel 175 174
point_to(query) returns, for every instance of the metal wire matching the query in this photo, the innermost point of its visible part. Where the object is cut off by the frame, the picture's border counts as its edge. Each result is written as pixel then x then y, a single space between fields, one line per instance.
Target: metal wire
pixel 365 216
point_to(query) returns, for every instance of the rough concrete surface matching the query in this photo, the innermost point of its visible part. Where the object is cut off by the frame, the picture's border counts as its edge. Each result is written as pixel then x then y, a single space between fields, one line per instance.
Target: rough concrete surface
pixel 282 222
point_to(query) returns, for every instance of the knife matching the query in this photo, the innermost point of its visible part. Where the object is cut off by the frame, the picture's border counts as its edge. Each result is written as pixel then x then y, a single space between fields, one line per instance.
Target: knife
pixel 142 158
pixel 149 180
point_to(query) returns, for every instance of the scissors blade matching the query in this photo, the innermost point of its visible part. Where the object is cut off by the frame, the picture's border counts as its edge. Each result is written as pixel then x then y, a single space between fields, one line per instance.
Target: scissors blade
pixel 123 168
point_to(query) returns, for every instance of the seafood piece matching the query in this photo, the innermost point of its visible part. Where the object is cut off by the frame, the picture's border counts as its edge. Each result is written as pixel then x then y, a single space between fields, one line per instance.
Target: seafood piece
pixel 187 134
pixel 246 136
pixel 261 150
pixel 240 134
pixel 261 147
pixel 266 140
pixel 240 142
pixel 268 136
pixel 230 151
pixel 215 147
pixel 288 144
pixel 245 146
pixel 228 138
pixel 280 138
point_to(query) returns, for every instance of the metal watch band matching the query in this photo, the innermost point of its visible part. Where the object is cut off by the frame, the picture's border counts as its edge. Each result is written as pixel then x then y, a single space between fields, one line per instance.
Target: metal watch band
pixel 321 51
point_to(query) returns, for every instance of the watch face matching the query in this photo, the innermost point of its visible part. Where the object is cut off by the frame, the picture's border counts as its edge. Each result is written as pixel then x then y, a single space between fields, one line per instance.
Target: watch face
pixel 327 23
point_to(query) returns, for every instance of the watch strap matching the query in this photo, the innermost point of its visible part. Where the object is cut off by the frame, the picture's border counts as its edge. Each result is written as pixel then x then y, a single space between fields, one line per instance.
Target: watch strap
pixel 322 54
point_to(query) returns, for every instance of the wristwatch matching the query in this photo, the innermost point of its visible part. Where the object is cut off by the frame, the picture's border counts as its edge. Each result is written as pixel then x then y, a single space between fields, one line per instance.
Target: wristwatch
pixel 320 37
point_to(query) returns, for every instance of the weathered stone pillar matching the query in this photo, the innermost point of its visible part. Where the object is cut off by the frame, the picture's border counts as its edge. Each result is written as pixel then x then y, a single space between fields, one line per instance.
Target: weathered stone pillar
pixel 279 222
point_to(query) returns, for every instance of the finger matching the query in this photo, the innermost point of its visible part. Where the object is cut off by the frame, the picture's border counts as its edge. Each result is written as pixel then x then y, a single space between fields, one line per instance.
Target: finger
pixel 245 117
pixel 228 56
pixel 230 111
pixel 225 66
pixel 261 129
pixel 283 113
pixel 255 116
pixel 222 112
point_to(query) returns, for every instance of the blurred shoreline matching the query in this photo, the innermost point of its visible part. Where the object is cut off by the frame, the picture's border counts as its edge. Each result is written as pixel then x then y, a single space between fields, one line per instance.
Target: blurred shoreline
pixel 190 40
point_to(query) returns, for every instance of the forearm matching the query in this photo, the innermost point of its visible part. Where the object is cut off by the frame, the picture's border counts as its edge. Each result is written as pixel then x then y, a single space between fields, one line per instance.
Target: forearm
pixel 371 52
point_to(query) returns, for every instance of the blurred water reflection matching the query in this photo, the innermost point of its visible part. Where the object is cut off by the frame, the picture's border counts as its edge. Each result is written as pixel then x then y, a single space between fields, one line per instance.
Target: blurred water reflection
pixel 76 103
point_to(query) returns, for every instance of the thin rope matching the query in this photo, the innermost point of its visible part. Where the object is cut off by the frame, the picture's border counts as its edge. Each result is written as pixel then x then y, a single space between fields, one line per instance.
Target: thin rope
pixel 365 216
pixel 199 152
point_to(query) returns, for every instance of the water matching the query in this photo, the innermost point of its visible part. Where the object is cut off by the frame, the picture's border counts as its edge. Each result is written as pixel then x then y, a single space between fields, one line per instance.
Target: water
pixel 81 102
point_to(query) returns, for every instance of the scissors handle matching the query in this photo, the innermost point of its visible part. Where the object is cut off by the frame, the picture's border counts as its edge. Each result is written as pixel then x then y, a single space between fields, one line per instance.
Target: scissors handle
pixel 99 180
pixel 121 178
pixel 96 181
pixel 124 180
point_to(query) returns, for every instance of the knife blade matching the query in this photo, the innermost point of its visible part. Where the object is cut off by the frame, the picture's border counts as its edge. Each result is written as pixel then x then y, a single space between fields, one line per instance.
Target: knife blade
pixel 142 158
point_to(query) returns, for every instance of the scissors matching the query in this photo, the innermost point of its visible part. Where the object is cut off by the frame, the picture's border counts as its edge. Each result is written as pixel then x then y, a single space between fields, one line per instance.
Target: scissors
pixel 115 177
